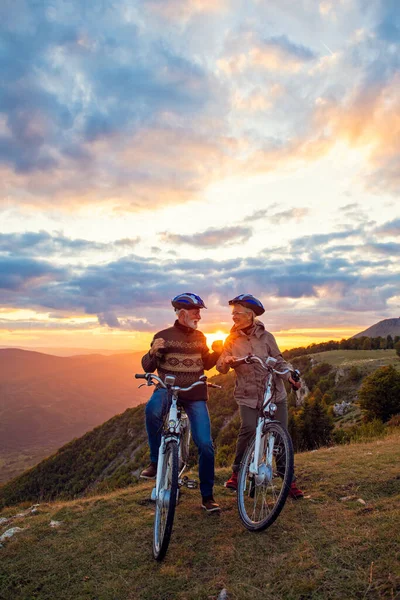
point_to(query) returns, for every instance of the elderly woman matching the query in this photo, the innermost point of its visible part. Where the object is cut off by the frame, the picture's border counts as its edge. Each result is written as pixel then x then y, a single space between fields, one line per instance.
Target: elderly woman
pixel 249 336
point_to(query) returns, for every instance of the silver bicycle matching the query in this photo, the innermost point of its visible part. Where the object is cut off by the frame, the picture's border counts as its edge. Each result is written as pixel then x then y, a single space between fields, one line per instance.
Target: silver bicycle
pixel 266 470
pixel 172 460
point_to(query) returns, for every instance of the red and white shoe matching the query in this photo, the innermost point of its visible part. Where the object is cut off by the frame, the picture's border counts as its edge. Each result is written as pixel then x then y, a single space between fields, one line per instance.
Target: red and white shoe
pixel 295 492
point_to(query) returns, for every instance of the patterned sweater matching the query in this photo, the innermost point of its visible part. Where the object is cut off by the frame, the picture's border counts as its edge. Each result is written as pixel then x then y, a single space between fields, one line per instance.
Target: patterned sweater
pixel 185 355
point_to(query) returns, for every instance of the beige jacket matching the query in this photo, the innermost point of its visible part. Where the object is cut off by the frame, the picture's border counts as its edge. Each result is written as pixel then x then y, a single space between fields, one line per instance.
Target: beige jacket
pixel 250 379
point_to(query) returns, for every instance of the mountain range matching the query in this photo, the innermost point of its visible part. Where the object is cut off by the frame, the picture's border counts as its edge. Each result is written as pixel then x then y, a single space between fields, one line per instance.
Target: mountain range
pixel 45 400
pixel 381 329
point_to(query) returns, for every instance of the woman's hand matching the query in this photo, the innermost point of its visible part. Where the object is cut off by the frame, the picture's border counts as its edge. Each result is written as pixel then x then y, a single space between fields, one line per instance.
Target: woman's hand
pixel 228 360
pixel 293 383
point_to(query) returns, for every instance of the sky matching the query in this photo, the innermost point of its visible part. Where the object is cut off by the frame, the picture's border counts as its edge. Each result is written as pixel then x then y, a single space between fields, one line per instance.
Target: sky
pixel 218 147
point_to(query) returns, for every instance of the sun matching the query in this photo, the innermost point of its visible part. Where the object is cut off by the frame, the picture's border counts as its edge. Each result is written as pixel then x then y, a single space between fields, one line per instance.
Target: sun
pixel 212 337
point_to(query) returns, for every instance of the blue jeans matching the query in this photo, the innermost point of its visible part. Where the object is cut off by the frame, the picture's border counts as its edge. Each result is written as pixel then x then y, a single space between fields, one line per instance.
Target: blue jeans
pixel 197 411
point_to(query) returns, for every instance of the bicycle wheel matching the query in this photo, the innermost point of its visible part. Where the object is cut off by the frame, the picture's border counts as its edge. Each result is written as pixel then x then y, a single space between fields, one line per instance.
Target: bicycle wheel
pixel 261 497
pixel 166 501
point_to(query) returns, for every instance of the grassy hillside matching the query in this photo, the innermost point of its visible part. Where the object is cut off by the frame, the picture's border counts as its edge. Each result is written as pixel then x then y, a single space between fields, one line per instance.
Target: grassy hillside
pixel 340 542
pixel 45 401
pixel 367 360
pixel 112 455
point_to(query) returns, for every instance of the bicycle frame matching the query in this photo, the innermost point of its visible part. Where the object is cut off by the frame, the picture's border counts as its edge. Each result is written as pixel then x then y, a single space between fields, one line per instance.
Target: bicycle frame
pixel 177 421
pixel 175 427
pixel 267 414
pixel 173 449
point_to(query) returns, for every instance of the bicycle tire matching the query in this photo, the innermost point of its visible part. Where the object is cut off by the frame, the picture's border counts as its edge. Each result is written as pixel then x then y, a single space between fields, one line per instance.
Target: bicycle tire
pixel 261 497
pixel 184 444
pixel 166 502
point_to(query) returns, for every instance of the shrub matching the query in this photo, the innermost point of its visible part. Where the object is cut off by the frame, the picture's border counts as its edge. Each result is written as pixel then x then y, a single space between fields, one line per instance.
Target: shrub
pixel 380 394
pixel 354 374
pixel 360 433
pixel 394 421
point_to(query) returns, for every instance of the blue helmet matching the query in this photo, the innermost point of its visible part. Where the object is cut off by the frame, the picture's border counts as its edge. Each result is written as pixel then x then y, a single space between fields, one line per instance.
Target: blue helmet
pixel 188 301
pixel 248 301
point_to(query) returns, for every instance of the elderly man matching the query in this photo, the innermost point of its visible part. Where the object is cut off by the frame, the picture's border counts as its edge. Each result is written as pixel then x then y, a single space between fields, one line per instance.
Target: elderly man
pixel 181 350
pixel 249 336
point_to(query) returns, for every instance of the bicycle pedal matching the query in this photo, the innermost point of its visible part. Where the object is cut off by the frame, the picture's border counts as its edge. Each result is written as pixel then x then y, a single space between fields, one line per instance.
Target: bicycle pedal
pixel 191 484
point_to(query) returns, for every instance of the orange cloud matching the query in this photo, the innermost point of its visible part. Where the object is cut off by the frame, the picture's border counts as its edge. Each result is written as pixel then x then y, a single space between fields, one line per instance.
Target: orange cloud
pixel 370 120
pixel 153 168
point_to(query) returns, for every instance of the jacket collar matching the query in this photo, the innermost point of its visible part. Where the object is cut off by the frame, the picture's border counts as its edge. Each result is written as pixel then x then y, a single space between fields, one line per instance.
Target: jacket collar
pixel 183 328
pixel 257 330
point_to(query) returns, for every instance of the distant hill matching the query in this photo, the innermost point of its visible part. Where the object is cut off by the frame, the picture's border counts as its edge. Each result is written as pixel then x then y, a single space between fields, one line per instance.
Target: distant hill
pixel 112 454
pixel 381 329
pixel 45 400
pixel 67 351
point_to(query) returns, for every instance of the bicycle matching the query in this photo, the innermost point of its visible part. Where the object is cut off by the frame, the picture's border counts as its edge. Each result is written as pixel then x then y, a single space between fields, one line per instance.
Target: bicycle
pixel 266 470
pixel 172 460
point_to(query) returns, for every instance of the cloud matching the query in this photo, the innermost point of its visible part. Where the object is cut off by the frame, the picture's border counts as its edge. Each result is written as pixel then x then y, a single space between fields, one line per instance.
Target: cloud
pixel 18 274
pixel 390 228
pixel 280 53
pixel 211 238
pixel 75 108
pixel 264 53
pixel 122 104
pixel 296 214
pixel 176 10
pixel 44 244
pixel 316 275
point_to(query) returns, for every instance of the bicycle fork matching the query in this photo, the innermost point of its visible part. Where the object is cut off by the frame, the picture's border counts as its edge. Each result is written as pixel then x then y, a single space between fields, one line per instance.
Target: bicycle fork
pixel 155 492
pixel 261 470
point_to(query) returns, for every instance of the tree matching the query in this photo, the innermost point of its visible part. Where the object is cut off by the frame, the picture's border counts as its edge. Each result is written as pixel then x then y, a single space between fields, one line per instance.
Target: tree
pixel 397 348
pixel 379 395
pixel 367 344
pixel 314 425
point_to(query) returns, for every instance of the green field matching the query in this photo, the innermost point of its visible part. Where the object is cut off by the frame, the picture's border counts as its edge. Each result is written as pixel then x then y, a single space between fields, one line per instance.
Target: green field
pixel 366 359
pixel 339 542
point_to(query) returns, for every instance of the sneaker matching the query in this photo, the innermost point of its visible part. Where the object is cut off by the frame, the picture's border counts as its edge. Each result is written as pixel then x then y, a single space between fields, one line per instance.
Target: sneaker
pixel 232 482
pixel 209 504
pixel 294 492
pixel 150 472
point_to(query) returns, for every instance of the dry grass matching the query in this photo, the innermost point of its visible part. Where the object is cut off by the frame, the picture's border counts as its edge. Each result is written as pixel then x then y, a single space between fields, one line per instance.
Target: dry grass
pixel 368 360
pixel 321 547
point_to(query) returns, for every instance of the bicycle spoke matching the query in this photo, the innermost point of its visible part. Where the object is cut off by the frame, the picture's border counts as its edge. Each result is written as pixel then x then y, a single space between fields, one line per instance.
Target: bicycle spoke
pixel 261 496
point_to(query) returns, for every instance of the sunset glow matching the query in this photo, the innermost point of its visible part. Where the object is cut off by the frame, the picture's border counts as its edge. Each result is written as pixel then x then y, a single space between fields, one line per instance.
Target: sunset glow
pixel 200 146
pixel 213 337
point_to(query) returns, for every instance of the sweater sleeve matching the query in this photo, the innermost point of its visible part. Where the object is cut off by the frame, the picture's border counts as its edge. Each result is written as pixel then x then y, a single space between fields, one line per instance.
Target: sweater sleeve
pixel 149 362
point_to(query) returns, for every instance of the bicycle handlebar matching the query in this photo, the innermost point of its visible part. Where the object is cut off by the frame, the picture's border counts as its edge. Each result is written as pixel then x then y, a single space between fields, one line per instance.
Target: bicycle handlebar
pixel 150 376
pixel 252 358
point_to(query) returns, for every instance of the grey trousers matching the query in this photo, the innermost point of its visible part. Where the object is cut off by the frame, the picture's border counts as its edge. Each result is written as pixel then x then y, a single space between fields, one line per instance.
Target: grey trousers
pixel 248 418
